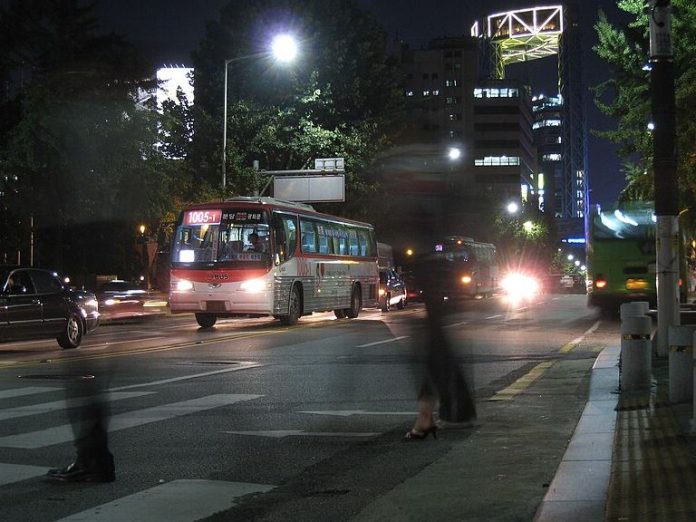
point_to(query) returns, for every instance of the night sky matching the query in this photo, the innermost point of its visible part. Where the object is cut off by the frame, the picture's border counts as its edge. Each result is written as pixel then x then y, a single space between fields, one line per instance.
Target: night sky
pixel 171 29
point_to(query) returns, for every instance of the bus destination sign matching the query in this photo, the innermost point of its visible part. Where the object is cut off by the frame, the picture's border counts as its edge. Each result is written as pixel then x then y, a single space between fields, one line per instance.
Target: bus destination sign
pixel 202 217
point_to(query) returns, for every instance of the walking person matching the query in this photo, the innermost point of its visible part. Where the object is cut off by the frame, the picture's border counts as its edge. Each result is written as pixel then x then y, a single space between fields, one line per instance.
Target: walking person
pixel 443 380
pixel 88 411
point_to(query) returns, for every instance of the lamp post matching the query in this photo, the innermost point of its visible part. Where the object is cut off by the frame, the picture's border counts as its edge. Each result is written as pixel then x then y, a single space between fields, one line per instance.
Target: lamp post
pixel 284 49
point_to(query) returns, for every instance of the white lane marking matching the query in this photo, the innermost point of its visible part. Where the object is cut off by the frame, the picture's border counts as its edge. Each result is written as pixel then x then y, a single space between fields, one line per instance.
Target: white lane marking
pixel 176 501
pixel 236 368
pixel 279 434
pixel 36 409
pixel 10 473
pixel 64 433
pixel 494 316
pixel 453 325
pixel 383 342
pixel 29 390
pixel 348 413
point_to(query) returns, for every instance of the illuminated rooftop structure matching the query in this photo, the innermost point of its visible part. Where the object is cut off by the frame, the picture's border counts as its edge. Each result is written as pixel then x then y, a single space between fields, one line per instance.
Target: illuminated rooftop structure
pixel 522 35
pixel 533 33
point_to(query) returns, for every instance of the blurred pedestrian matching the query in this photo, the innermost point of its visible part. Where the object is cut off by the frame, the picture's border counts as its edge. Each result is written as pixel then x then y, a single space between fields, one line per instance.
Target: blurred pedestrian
pixel 443 380
pixel 88 411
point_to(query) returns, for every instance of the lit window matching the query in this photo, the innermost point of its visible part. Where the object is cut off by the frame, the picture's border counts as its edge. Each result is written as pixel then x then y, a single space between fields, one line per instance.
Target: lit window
pixel 426 93
pixel 409 93
pixel 436 92
pixel 551 157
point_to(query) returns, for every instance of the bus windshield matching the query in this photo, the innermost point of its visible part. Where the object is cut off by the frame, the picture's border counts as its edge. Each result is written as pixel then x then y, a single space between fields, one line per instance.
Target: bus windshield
pixel 232 237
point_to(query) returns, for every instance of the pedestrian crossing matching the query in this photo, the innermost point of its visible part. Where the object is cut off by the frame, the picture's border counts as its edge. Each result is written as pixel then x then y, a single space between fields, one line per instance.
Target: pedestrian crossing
pixel 173 501
pixel 64 433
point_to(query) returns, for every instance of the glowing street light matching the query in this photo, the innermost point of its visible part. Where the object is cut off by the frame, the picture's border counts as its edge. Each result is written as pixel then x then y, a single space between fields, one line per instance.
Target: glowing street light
pixel 528 226
pixel 454 153
pixel 512 207
pixel 284 49
pixel 409 251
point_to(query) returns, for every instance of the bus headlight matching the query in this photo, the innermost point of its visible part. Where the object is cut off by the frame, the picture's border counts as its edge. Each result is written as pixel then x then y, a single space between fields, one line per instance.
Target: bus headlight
pixel 183 285
pixel 253 286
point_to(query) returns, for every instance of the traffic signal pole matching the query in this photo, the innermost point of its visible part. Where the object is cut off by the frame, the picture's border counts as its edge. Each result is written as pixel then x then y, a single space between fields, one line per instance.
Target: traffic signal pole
pixel 664 170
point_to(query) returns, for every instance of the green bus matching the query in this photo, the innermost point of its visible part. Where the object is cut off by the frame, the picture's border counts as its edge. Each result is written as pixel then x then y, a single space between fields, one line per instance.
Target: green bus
pixel 621 257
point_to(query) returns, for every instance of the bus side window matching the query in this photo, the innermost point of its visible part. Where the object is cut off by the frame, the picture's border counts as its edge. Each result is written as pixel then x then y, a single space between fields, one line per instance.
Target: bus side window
pixel 309 236
pixel 285 229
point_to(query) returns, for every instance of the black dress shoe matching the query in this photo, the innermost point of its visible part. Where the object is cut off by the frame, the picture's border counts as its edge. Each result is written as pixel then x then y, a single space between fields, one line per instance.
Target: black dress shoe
pixel 85 470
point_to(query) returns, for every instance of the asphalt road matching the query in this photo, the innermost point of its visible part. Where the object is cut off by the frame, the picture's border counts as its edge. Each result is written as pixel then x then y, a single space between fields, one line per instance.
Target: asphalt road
pixel 259 421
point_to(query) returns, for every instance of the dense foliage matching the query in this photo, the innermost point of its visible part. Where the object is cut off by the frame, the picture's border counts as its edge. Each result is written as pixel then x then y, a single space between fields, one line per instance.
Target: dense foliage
pixel 625 96
pixel 87 159
pixel 339 98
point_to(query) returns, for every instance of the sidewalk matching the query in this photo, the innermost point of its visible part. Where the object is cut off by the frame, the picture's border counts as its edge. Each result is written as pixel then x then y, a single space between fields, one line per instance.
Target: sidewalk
pixel 654 463
pixel 631 457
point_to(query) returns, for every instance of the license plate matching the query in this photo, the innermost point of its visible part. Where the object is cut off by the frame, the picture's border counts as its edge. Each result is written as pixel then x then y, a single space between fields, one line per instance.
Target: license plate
pixel 636 284
pixel 215 306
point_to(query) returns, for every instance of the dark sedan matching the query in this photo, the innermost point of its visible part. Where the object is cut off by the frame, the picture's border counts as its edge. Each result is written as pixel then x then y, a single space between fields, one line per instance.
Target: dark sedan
pixel 392 290
pixel 34 304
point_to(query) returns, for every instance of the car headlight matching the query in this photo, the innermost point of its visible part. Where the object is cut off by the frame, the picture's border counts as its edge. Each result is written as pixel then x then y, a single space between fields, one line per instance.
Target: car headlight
pixel 253 286
pixel 466 279
pixel 183 285
pixel 382 292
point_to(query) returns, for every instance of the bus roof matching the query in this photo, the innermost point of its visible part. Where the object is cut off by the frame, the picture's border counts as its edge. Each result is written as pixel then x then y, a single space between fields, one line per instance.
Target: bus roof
pixel 302 208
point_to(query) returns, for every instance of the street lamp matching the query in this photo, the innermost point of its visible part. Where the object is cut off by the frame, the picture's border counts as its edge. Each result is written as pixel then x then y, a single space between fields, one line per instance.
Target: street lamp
pixel 454 153
pixel 284 49
pixel 512 207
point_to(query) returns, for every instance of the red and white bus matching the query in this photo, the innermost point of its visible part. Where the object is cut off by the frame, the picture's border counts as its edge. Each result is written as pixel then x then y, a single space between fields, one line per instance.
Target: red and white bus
pixel 300 261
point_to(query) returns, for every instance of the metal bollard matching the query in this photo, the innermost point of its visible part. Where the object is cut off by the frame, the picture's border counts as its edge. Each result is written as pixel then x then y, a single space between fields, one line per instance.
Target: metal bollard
pixel 636 353
pixel 634 309
pixel 681 339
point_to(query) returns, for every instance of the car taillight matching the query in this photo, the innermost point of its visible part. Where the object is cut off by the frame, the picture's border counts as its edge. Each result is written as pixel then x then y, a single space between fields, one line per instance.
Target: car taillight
pixel 600 282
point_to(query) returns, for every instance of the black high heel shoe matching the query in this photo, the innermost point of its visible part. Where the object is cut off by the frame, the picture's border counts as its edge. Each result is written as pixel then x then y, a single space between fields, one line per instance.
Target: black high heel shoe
pixel 420 435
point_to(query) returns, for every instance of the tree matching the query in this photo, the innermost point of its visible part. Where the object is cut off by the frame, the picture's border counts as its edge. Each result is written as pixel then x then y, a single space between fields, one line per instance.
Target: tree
pixel 81 154
pixel 625 96
pixel 339 99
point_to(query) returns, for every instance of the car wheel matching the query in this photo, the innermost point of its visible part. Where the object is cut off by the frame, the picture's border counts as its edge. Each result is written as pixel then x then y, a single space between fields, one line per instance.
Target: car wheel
pixel 295 308
pixel 387 303
pixel 340 313
pixel 402 303
pixel 206 320
pixel 72 334
pixel 355 304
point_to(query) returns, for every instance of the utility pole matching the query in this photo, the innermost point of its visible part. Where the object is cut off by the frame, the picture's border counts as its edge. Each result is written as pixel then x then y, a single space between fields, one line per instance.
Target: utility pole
pixel 664 169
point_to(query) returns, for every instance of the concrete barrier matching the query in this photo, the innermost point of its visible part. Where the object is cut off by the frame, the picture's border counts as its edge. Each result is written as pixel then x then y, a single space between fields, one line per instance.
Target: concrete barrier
pixel 636 347
pixel 681 383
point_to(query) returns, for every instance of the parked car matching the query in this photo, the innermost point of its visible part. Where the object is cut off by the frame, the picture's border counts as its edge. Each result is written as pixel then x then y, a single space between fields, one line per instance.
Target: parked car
pixel 35 304
pixel 392 290
pixel 120 299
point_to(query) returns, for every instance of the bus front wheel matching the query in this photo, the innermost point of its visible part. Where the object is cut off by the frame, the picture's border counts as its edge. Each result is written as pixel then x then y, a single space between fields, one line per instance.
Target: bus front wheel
pixel 340 313
pixel 355 304
pixel 295 309
pixel 206 320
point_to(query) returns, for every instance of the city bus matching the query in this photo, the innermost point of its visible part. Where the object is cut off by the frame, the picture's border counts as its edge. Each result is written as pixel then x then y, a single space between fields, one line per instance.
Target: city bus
pixel 621 256
pixel 258 256
pixel 473 267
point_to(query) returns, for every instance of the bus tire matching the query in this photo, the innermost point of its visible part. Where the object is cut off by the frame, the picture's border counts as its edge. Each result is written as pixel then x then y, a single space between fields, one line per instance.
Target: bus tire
pixel 355 303
pixel 294 310
pixel 206 320
pixel 340 313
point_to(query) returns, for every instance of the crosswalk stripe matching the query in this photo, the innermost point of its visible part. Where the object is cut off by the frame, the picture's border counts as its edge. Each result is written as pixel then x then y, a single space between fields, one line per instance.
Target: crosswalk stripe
pixel 28 390
pixel 46 407
pixel 176 501
pixel 10 473
pixel 64 433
